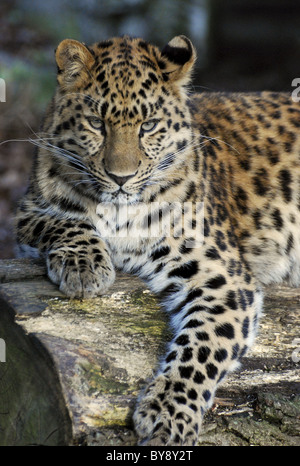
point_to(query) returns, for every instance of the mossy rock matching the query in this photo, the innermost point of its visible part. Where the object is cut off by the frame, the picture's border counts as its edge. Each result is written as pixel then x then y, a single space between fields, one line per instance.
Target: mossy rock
pixel 75 366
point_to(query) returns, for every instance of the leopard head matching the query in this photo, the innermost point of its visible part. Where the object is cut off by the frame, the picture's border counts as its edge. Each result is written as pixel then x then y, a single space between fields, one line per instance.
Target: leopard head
pixel 120 116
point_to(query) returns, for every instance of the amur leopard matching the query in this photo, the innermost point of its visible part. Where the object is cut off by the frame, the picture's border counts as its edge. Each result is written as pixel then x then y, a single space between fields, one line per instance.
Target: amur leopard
pixel 124 134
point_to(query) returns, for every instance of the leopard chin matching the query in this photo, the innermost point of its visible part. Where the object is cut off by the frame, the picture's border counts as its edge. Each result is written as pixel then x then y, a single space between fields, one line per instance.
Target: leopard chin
pixel 119 197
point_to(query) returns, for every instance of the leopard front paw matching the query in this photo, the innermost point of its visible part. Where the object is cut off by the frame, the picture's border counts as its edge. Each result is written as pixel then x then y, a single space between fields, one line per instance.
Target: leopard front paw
pixel 163 417
pixel 80 275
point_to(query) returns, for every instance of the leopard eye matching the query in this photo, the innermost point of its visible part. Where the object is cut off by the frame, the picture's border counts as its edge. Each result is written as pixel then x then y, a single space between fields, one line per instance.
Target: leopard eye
pixel 95 122
pixel 149 126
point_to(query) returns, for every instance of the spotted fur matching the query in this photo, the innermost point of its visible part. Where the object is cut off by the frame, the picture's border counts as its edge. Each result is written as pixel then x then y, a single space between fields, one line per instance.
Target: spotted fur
pixel 123 131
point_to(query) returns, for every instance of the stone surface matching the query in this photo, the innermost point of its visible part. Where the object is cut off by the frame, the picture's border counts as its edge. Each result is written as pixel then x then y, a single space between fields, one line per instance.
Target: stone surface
pixel 92 356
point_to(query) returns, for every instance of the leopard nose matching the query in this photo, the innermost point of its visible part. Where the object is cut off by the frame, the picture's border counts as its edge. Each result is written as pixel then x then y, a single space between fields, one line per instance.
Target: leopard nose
pixel 120 180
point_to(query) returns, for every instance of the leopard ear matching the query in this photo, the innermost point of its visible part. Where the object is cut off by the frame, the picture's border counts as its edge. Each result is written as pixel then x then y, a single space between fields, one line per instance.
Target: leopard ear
pixel 74 61
pixel 178 58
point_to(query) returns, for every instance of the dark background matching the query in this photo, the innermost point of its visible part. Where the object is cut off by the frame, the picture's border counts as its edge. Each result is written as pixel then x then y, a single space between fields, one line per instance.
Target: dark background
pixel 243 45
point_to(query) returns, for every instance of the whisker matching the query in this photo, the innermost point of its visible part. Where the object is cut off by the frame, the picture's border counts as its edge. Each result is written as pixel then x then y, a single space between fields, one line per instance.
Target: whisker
pixel 219 140
pixel 164 163
pixel 58 151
